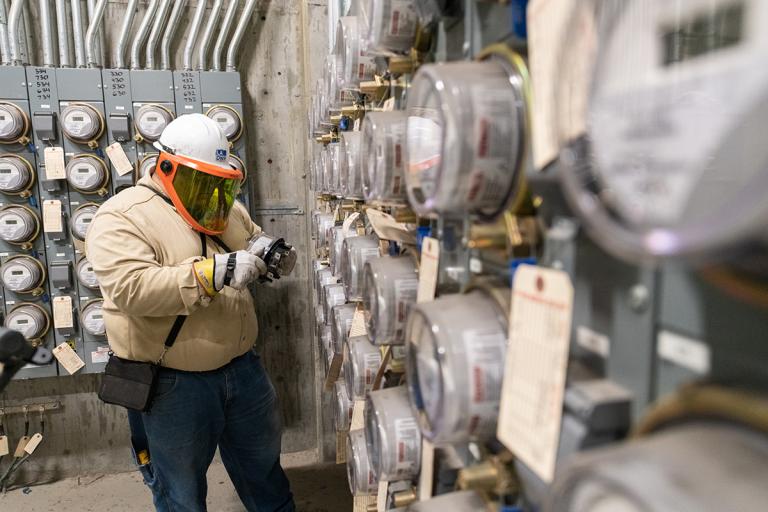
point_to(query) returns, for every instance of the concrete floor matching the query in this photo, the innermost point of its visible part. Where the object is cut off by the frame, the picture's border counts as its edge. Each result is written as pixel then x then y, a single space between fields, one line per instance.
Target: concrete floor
pixel 316 489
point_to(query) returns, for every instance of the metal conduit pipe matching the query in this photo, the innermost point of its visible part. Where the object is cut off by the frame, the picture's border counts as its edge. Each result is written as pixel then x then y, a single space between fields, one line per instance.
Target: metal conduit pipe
pixel 26 35
pixel 141 34
pixel 237 38
pixel 125 31
pixel 46 30
pixel 5 52
pixel 14 38
pixel 205 42
pixel 194 29
pixel 154 34
pixel 99 44
pixel 92 56
pixel 77 33
pixel 62 32
pixel 226 25
pixel 173 24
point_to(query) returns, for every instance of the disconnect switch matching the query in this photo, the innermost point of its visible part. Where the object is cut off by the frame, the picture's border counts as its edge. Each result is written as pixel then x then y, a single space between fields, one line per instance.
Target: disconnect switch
pixel 120 126
pixel 62 275
pixel 44 124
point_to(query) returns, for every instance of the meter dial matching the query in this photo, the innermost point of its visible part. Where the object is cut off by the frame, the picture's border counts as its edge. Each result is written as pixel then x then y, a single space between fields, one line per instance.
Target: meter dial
pixel 661 110
pixel 228 119
pixel 81 123
pixel 30 320
pixel 81 220
pixel 86 276
pixel 147 164
pixel 92 318
pixel 88 174
pixel 14 123
pixel 151 120
pixel 18 225
pixel 16 175
pixel 23 274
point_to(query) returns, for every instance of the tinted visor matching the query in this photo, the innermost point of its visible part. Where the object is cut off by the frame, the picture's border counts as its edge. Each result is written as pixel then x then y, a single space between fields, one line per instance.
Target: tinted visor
pixel 207 198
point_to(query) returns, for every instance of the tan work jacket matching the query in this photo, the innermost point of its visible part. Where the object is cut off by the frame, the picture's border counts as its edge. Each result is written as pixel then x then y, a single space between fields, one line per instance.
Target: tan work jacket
pixel 142 252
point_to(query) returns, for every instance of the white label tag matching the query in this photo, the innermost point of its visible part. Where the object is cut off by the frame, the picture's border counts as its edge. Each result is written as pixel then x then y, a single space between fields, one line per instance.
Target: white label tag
pixel 389 105
pixel 100 355
pixel 381 497
pixel 406 291
pixel 686 352
pixel 20 447
pixel 426 475
pixel 63 317
pixel 33 443
pixel 534 375
pixel 53 220
pixel 593 341
pixel 119 159
pixel 4 449
pixel 358 323
pixel 430 257
pixel 358 416
pixel 387 228
pixel 348 223
pixel 68 358
pixel 55 169
pixel 485 367
pixel 408 445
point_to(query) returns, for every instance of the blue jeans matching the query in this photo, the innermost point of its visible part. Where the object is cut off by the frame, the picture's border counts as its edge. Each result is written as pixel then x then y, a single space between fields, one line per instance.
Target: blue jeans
pixel 234 408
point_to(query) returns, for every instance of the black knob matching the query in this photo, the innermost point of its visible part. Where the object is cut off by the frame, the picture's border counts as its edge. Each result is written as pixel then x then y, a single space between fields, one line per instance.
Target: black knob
pixel 166 166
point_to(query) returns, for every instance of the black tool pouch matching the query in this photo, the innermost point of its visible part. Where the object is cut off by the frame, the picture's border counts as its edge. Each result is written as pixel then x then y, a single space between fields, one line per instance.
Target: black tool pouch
pixel 129 383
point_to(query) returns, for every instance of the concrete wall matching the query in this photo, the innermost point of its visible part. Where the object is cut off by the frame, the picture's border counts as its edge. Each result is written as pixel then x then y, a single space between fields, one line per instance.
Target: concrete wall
pixel 87 437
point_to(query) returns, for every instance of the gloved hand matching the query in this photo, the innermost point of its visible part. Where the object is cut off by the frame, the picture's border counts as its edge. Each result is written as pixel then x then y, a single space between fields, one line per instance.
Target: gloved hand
pixel 235 269
pixel 279 256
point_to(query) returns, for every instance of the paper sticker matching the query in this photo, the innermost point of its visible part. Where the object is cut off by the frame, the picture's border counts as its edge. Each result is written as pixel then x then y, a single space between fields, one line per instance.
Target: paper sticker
pixel 341 447
pixel 371 364
pixel 4 449
pixel 430 257
pixel 593 341
pixel 405 296
pixel 53 219
pixel 63 317
pixel 100 355
pixel 68 358
pixel 408 445
pixel 33 443
pixel 358 416
pixel 358 323
pixel 536 361
pixel 119 159
pixel 485 367
pixel 20 447
pixel 686 352
pixel 55 169
pixel 427 471
pixel 381 497
pixel 389 105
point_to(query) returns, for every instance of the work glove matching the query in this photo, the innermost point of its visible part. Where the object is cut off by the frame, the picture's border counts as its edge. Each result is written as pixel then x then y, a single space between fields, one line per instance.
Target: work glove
pixel 235 269
pixel 279 256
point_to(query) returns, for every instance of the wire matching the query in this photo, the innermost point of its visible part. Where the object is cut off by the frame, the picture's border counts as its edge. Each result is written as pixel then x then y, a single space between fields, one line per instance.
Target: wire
pixel 19 461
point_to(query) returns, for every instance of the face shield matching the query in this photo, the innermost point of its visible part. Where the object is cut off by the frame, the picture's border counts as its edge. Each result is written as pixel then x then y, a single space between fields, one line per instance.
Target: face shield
pixel 202 193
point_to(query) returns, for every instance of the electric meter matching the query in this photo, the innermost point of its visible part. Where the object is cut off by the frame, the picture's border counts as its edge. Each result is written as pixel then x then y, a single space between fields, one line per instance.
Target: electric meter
pixel 361 362
pixel 82 218
pixel 16 175
pixel 23 274
pixel 336 96
pixel 147 164
pixel 662 125
pixel 336 241
pixel 355 64
pixel 14 123
pixel 151 120
pixel 92 318
pixel 384 156
pixel 18 225
pixel 343 410
pixel 237 163
pixel 81 123
pixel 342 316
pixel 361 479
pixel 356 251
pixel 333 295
pixel 86 276
pixel 467 136
pixel 456 347
pixel 705 466
pixel 30 320
pixel 390 285
pixel 228 119
pixel 326 339
pixel 352 165
pixel 87 174
pixel 392 435
pixel 324 276
pixel 323 222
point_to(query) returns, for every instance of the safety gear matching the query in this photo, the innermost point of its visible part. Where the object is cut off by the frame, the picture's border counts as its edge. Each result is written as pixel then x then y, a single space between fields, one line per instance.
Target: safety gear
pixel 236 270
pixel 194 168
pixel 279 256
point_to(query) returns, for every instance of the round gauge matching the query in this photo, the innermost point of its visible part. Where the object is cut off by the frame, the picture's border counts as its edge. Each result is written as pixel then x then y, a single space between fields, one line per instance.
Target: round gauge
pixel 81 122
pixel 361 479
pixel 30 320
pixel 81 220
pixel 352 165
pixel 151 120
pixel 392 435
pixel 22 274
pixel 389 291
pixel 383 156
pixel 16 175
pixel 86 276
pixel 14 123
pixel 355 65
pixel 87 173
pixel 92 318
pixel 665 157
pixel 18 224
pixel 228 119
pixel 392 24
pixel 147 164
pixel 356 251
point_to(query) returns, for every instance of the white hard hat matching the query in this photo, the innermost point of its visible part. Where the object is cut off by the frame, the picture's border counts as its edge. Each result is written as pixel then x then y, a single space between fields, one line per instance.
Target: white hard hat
pixel 196 137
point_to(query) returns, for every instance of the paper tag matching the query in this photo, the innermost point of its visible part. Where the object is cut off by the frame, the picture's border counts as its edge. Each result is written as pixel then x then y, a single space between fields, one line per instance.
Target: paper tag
pixel 682 351
pixel 68 358
pixel 33 443
pixel 426 475
pixel 360 503
pixel 20 447
pixel 119 159
pixel 358 416
pixel 55 169
pixel 381 497
pixel 100 355
pixel 387 228
pixel 4 449
pixel 341 447
pixel 358 323
pixel 534 375
pixel 348 223
pixel 389 105
pixel 53 220
pixel 63 317
pixel 334 371
pixel 430 258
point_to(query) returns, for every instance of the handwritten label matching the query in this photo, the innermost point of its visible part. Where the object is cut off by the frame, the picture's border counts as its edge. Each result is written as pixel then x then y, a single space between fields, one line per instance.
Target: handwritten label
pixel 68 358
pixel 119 159
pixel 53 221
pixel 63 317
pixel 55 169
pixel 430 259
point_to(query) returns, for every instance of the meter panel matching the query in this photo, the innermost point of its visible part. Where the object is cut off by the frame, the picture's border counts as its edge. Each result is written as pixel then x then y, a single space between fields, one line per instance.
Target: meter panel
pixel 119 113
pixel 153 90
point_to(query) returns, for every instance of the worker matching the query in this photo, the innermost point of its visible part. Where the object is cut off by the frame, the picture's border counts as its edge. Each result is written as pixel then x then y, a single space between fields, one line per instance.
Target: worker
pixel 170 252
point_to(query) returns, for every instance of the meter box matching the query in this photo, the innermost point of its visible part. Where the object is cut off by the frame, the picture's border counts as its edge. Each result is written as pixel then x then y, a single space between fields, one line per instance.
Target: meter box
pixel 153 108
pixel 118 107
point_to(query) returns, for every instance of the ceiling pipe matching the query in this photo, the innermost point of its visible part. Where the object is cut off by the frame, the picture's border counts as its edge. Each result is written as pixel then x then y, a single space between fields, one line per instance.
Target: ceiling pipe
pixel 221 40
pixel 194 29
pixel 154 34
pixel 46 31
pixel 205 42
pixel 5 51
pixel 77 33
pixel 237 38
pixel 125 32
pixel 26 35
pixel 14 37
pixel 62 32
pixel 141 35
pixel 170 31
pixel 91 45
